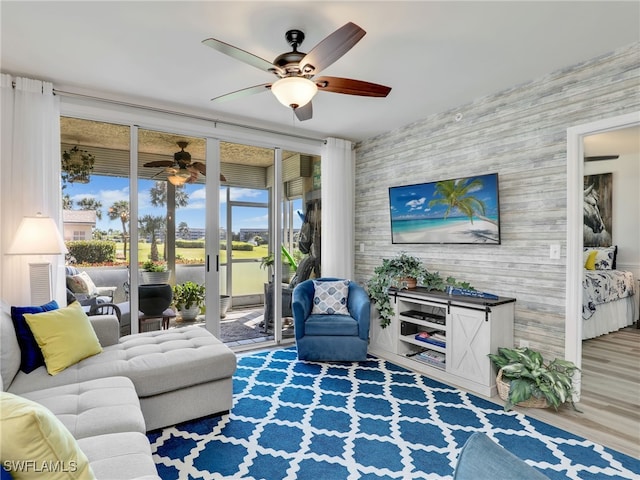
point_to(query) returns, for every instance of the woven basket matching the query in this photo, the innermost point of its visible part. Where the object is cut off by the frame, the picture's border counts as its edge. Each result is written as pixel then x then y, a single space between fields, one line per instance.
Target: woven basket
pixel 503 391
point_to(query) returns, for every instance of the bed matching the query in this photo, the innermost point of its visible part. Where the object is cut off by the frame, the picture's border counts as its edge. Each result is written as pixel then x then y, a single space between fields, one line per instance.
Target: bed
pixel 608 298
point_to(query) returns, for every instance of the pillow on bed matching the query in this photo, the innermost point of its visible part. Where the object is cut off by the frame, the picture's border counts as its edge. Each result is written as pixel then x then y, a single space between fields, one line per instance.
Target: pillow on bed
pixel 590 259
pixel 605 258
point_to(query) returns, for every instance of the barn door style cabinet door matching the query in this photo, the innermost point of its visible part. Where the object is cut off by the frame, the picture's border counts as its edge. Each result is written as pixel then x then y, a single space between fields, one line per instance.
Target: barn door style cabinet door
pixel 448 337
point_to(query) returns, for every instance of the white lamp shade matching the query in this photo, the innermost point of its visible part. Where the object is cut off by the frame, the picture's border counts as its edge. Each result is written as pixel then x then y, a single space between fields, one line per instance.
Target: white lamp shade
pixel 37 236
pixel 294 92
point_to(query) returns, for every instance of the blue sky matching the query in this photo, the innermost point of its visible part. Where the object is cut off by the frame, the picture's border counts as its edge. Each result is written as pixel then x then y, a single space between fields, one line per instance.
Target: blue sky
pixel 412 201
pixel 109 190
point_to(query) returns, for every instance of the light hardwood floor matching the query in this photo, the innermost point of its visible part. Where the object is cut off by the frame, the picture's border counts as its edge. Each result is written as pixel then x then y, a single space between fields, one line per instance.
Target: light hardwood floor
pixel 610 399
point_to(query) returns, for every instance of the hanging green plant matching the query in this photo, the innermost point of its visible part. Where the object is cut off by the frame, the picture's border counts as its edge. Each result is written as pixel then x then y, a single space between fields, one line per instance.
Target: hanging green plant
pixel 77 165
pixel 399 272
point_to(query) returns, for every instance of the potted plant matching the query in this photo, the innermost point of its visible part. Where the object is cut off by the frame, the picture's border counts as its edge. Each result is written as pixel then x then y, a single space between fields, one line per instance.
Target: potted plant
pixel 188 299
pixel 525 380
pixel 154 272
pixel 77 165
pixel 288 263
pixel 402 271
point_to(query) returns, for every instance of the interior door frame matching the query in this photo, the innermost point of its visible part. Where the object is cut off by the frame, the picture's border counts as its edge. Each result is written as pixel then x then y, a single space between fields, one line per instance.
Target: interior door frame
pixel 575 199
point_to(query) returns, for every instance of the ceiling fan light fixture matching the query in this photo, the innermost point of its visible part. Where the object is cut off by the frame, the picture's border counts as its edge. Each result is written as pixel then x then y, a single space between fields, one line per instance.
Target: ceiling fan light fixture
pixel 176 180
pixel 180 177
pixel 294 92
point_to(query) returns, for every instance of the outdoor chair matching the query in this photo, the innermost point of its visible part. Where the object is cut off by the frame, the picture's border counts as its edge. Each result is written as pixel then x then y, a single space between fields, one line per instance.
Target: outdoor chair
pixel 331 320
pixel 85 290
pixel 106 309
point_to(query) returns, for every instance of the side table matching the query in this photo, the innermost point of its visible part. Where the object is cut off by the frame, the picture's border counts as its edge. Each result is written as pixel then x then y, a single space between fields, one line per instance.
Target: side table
pixel 144 323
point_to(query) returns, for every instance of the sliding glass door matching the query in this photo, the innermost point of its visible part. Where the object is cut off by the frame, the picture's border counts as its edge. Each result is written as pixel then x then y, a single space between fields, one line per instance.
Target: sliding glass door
pixel 171 224
pixel 224 223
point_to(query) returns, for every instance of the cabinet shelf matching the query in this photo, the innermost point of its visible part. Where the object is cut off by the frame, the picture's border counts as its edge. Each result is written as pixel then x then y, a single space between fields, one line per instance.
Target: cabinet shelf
pixel 423 323
pixel 424 361
pixel 473 328
pixel 411 339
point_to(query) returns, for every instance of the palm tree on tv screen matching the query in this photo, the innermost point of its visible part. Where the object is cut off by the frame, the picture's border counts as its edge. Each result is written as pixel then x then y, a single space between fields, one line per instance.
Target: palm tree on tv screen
pixel 457 194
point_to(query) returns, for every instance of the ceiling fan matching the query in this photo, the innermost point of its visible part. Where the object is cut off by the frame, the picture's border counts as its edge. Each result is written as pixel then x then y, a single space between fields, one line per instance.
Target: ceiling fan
pixel 181 170
pixel 297 84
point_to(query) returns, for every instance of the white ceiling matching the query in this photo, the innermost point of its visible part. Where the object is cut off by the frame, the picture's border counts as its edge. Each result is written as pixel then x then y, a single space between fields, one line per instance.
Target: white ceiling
pixel 436 56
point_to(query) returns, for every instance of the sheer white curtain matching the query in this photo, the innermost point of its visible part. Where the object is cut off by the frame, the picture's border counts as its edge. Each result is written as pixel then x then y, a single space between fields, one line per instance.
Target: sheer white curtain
pixel 30 178
pixel 338 185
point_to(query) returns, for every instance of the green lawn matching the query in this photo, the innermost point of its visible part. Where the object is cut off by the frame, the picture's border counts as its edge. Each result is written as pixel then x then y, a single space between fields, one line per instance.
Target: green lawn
pixel 193 255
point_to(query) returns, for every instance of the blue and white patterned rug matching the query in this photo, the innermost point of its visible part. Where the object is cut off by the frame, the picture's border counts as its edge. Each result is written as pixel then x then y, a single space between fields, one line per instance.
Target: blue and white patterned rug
pixel 368 420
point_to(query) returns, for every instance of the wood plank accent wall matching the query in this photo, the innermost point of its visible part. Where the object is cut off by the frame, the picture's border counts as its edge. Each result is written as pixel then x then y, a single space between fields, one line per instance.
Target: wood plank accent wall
pixel 519 133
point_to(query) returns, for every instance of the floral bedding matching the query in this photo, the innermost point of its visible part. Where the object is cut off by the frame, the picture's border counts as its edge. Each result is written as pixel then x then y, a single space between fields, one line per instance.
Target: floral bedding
pixel 602 286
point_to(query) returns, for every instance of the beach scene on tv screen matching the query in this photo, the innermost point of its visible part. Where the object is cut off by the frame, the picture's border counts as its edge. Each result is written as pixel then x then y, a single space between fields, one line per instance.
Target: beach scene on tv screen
pixel 462 210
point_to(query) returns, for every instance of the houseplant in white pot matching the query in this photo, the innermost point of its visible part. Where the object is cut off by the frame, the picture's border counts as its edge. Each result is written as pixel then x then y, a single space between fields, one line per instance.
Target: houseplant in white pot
pixel 188 299
pixel 154 272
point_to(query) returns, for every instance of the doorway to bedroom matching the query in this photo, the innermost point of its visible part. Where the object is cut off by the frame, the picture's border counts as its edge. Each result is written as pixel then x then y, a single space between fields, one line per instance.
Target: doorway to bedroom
pixel 609 383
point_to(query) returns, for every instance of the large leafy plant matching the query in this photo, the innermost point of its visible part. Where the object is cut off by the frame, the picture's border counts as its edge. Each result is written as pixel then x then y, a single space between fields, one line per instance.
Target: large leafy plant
pixel 285 256
pixel 529 376
pixel 392 273
pixel 188 294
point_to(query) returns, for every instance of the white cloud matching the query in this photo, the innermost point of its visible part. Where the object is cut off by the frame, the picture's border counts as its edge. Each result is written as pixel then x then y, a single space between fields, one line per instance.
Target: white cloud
pixel 194 205
pixel 416 204
pixel 109 197
pixel 199 194
pixel 80 196
pixel 244 193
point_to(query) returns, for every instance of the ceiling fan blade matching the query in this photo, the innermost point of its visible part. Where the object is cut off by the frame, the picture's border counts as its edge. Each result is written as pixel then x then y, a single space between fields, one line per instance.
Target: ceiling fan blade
pixel 159 163
pixel 304 112
pixel 202 168
pixel 241 55
pixel 601 157
pixel 199 167
pixel 351 87
pixel 331 48
pixel 245 92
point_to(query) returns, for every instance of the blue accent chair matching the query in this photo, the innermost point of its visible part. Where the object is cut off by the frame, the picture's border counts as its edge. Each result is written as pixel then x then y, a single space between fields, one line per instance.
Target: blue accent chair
pixel 331 337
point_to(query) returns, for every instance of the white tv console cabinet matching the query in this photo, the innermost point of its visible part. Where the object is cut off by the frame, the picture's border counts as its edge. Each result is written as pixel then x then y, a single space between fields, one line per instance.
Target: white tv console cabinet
pixel 466 329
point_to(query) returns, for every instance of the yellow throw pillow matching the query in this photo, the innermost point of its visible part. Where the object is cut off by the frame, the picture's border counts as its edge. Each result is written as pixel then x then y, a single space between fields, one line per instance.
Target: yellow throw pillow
pixel 590 264
pixel 35 444
pixel 65 336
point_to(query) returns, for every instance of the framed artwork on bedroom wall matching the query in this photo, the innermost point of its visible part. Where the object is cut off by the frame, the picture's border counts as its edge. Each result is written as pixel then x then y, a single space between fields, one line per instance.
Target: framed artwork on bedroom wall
pixel 598 193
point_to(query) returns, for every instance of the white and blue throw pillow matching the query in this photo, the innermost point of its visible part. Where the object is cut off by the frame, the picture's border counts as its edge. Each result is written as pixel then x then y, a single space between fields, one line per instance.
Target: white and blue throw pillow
pixel 330 297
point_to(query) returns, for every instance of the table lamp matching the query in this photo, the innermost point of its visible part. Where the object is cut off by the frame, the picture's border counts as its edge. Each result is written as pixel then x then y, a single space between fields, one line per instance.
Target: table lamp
pixel 38 235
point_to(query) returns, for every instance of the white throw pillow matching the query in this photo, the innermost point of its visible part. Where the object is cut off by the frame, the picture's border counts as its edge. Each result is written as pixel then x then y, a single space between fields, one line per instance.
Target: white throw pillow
pixel 330 297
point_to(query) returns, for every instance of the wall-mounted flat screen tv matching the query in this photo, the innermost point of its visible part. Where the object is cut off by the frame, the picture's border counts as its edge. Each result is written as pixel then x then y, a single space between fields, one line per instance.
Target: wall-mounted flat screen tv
pixel 460 210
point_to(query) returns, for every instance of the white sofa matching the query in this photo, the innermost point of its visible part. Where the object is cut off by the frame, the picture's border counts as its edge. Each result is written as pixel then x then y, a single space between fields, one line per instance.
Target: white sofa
pixel 137 383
